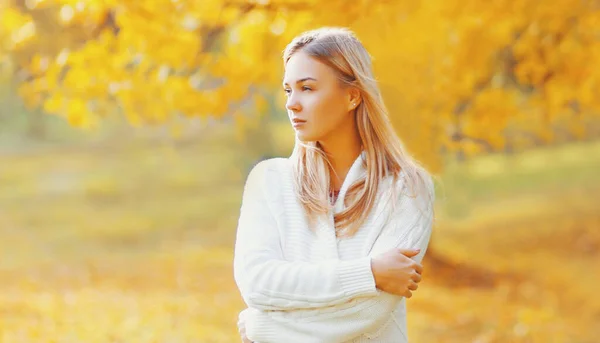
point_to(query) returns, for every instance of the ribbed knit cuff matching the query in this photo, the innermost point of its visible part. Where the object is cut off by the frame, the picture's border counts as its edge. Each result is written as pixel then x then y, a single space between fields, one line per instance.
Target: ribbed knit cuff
pixel 260 328
pixel 357 277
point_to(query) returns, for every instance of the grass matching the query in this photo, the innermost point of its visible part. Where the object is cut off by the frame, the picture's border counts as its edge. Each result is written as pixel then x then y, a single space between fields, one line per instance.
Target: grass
pixel 527 176
pixel 133 243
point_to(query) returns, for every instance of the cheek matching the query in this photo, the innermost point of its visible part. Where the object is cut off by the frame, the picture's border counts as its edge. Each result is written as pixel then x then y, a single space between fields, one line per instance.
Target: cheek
pixel 326 109
pixel 325 117
pixel 332 114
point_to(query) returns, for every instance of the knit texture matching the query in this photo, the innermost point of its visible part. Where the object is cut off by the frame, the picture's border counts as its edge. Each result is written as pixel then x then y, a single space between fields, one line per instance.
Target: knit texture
pixel 304 284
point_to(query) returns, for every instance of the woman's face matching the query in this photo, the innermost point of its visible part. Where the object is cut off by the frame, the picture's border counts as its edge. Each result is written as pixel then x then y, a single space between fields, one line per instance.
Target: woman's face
pixel 317 103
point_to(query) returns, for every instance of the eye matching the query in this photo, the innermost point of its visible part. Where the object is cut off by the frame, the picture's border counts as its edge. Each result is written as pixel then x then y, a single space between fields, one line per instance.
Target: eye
pixel 287 91
pixel 306 88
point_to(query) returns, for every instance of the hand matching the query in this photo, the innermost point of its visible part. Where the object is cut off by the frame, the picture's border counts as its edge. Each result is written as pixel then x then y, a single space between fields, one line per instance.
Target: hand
pixel 396 273
pixel 242 329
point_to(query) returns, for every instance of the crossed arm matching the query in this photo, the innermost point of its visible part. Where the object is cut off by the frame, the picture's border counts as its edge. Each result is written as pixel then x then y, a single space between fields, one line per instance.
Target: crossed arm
pixel 336 298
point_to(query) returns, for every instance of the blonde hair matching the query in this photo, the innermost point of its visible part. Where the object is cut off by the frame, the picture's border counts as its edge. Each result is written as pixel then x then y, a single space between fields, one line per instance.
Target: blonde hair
pixel 341 50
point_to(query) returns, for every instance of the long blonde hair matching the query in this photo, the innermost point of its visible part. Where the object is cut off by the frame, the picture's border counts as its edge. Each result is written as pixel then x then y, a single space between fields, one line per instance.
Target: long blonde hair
pixel 341 50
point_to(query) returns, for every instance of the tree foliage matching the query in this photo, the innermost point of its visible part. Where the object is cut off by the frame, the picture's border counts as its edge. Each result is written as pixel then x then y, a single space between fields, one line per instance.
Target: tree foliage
pixel 458 76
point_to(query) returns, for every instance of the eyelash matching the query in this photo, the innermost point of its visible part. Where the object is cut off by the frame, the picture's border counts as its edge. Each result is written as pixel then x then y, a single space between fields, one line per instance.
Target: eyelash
pixel 304 88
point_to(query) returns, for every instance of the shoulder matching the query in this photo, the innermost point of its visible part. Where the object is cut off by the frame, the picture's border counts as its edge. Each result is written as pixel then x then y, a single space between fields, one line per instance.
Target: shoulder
pixel 266 166
pixel 425 183
pixel 415 188
pixel 266 171
pixel 264 179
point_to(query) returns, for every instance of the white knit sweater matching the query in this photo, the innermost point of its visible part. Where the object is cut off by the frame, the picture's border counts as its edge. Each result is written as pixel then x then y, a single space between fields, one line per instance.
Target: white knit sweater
pixel 303 285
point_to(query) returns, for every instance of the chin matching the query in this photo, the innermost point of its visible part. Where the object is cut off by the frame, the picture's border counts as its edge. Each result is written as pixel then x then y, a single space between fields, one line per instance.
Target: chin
pixel 306 137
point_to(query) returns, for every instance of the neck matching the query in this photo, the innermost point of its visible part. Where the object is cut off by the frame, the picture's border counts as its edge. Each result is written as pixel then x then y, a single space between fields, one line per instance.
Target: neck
pixel 342 149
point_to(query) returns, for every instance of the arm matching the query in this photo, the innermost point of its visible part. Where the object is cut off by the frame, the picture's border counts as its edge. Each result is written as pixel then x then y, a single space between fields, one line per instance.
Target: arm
pixel 349 320
pixel 268 282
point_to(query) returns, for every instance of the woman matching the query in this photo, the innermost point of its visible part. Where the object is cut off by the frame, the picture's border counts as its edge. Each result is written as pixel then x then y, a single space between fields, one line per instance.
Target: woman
pixel 330 240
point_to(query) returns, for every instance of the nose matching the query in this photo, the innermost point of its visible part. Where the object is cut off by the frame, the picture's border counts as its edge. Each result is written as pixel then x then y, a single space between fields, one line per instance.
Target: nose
pixel 293 104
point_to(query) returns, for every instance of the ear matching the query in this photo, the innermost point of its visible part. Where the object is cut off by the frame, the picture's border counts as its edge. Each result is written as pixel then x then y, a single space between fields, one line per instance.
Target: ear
pixel 354 98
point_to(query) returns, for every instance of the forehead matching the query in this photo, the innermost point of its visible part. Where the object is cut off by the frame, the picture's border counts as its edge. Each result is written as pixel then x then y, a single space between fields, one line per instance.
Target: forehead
pixel 300 66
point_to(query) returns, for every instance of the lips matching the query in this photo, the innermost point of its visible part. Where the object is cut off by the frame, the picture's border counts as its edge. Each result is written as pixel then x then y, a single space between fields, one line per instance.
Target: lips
pixel 297 123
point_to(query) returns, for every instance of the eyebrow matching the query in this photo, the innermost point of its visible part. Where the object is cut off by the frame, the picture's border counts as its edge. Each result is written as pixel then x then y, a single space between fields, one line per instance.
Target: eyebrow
pixel 303 79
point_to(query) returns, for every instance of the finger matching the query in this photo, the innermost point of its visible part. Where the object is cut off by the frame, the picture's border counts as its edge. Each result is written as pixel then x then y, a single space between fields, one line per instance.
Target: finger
pixel 413 286
pixel 416 277
pixel 409 252
pixel 407 294
pixel 418 268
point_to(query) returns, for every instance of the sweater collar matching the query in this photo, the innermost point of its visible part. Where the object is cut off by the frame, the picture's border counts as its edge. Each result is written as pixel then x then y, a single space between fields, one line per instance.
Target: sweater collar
pixel 357 170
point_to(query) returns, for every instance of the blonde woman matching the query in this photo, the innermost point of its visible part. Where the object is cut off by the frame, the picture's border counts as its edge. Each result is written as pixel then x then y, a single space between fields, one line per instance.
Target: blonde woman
pixel 330 240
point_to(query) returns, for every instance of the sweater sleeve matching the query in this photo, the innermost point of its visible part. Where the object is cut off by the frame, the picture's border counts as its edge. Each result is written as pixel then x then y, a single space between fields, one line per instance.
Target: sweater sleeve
pixel 267 281
pixel 354 318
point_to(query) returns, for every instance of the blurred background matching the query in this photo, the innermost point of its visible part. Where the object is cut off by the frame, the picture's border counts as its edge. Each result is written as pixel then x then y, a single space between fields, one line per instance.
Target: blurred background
pixel 127 129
